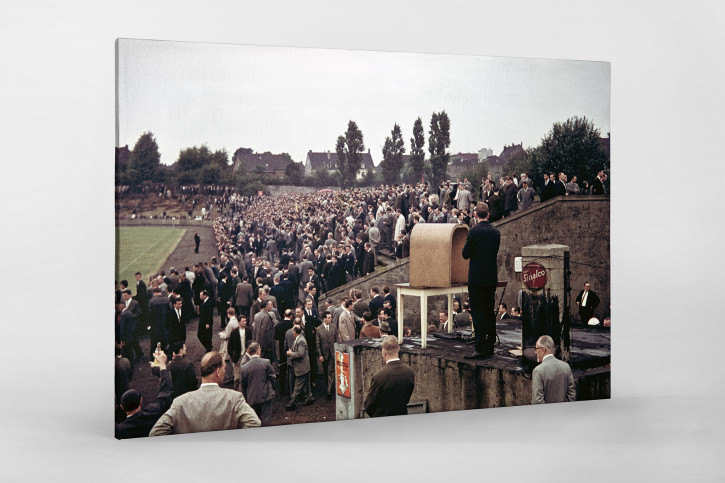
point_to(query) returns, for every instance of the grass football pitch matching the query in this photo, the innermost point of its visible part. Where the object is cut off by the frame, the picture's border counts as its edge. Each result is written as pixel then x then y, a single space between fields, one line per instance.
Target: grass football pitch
pixel 144 249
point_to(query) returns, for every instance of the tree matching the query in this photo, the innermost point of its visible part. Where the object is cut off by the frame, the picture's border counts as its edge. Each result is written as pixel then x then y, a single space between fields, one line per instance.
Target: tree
pixel 349 150
pixel 393 150
pixel 438 142
pixel 417 154
pixel 293 172
pixel 200 165
pixel 143 164
pixel 572 147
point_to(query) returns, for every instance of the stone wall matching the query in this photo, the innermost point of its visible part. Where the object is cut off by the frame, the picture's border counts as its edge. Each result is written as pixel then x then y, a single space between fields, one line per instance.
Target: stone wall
pixel 449 385
pixel 581 222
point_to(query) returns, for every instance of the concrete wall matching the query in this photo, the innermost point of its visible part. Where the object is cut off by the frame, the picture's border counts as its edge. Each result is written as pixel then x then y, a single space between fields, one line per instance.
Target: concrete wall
pixel 452 386
pixel 581 222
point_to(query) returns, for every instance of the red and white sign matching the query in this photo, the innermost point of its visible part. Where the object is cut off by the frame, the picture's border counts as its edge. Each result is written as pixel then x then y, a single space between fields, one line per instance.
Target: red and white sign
pixel 260 193
pixel 342 373
pixel 534 276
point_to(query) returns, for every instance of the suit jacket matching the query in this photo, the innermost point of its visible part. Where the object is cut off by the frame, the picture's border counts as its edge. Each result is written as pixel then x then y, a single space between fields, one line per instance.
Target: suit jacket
pixel 236 347
pixel 376 303
pixel 552 381
pixel 209 408
pixel 299 358
pixel 134 308
pixel 326 342
pixel 345 327
pixel 592 301
pixel 183 375
pixel 264 331
pixel 597 186
pixel 128 326
pixel 175 326
pixel 390 390
pixel 368 265
pixel 559 188
pixel 139 424
pixel 481 248
pixel 206 316
pixel 258 378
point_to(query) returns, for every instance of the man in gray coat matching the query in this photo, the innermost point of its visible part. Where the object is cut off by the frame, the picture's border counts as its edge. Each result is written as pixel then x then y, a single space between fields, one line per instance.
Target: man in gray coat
pixel 257 379
pixel 301 366
pixel 552 380
pixel 209 408
pixel 525 196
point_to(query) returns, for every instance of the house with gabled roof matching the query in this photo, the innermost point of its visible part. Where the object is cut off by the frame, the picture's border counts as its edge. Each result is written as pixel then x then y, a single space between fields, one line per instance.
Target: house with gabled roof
pixel 496 163
pixel 245 160
pixel 328 160
pixel 458 163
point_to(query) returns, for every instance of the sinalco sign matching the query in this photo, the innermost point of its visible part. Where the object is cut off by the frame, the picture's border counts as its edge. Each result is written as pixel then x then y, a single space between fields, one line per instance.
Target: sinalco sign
pixel 534 276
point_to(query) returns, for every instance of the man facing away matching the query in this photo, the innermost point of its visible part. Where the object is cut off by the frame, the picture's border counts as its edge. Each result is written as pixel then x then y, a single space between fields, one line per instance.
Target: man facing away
pixel 552 380
pixel 481 247
pixel 392 386
pixel 209 408
pixel 140 420
pixel 257 383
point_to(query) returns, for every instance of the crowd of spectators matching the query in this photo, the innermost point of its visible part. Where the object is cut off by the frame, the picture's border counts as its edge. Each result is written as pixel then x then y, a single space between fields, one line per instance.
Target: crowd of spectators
pixel 278 258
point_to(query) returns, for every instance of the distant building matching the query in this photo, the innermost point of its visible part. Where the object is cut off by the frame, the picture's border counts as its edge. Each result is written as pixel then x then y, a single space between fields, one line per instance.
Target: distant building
pixel 484 153
pixel 458 163
pixel 604 142
pixel 316 161
pixel 496 163
pixel 245 161
pixel 122 156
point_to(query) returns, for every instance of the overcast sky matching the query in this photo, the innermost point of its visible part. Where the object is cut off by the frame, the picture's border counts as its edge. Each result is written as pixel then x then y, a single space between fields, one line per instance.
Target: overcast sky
pixel 294 100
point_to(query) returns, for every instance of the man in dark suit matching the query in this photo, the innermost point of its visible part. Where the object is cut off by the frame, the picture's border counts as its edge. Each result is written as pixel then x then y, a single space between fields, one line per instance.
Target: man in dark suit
pixel 325 336
pixel 368 265
pixel 206 320
pixel 560 185
pixel 301 367
pixel 176 322
pixel 197 241
pixel 142 297
pixel 598 184
pixel 159 308
pixel 547 190
pixel 139 419
pixel 376 301
pixel 481 247
pixel 502 312
pixel 311 321
pixel 392 386
pixel 257 383
pixel 128 320
pixel 587 301
pixel 183 373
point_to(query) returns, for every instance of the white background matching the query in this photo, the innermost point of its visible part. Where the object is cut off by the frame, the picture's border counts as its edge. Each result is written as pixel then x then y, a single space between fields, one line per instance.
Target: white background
pixel 664 421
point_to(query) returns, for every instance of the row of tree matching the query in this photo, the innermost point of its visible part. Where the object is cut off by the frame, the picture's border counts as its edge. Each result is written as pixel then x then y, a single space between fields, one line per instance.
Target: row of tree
pixel 573 147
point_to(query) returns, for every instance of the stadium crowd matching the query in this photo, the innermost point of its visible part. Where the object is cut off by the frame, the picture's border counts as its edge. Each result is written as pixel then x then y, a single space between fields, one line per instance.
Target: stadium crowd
pixel 277 259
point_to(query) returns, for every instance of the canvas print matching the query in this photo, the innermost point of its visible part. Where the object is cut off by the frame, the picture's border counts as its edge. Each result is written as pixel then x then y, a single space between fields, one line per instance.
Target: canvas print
pixel 314 235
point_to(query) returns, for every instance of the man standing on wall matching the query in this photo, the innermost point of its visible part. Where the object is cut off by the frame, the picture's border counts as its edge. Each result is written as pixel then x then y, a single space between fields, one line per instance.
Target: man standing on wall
pixel 587 301
pixel 481 248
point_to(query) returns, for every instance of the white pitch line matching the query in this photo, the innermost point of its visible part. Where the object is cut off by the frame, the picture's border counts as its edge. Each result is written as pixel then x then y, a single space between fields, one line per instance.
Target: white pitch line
pixel 144 253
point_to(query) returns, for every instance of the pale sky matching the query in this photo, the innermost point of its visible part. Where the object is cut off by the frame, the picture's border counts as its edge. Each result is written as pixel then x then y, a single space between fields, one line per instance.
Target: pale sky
pixel 294 99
